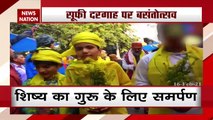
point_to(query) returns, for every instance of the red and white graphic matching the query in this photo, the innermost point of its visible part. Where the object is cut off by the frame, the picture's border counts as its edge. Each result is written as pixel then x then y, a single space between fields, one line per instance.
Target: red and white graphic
pixel 28 16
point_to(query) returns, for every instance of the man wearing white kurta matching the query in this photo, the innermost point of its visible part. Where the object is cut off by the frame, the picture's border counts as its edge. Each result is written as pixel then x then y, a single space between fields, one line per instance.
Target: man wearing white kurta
pixel 176 53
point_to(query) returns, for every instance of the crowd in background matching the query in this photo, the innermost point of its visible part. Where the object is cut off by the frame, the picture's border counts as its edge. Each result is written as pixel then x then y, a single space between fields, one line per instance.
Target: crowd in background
pixel 138 67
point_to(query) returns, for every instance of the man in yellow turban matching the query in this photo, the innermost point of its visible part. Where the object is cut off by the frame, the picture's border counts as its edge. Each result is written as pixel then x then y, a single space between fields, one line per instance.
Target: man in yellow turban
pixel 47 62
pixel 91 70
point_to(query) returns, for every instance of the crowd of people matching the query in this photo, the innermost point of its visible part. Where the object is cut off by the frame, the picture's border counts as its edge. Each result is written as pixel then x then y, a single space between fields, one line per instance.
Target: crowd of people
pixel 87 64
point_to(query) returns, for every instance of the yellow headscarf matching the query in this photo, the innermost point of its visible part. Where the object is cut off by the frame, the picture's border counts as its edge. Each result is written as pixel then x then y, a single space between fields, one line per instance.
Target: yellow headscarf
pixel 69 52
pixel 47 54
pixel 86 37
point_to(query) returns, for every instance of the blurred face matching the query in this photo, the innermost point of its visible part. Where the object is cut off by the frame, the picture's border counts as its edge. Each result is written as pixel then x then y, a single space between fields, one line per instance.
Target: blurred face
pixel 84 50
pixel 47 71
pixel 52 46
pixel 172 35
pixel 20 59
pixel 136 51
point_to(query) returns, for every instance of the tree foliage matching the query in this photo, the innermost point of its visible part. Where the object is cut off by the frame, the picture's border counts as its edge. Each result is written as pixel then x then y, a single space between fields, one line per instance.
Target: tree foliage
pixel 112 33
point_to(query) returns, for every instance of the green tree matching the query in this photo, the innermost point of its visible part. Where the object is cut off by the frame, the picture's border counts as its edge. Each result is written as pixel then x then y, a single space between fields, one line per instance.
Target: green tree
pixel 112 33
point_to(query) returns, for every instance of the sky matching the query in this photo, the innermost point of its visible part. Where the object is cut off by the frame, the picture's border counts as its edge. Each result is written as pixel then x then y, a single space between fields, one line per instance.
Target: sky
pixel 143 30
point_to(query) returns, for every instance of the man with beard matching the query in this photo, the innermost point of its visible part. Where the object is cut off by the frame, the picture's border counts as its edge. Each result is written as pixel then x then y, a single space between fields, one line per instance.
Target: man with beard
pixel 132 57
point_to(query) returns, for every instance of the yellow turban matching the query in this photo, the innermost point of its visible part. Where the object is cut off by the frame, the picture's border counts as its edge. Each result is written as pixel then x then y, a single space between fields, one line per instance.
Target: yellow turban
pixel 86 37
pixel 47 54
pixel 69 52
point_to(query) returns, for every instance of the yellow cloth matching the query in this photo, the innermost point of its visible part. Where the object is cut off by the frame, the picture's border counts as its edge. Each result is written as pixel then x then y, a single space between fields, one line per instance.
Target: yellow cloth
pixel 157 70
pixel 68 52
pixel 38 80
pixel 135 63
pixel 86 37
pixel 107 59
pixel 78 74
pixel 47 54
pixel 65 60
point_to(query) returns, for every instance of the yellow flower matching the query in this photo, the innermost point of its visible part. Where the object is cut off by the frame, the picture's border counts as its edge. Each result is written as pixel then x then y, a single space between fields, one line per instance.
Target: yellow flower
pixel 89 70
